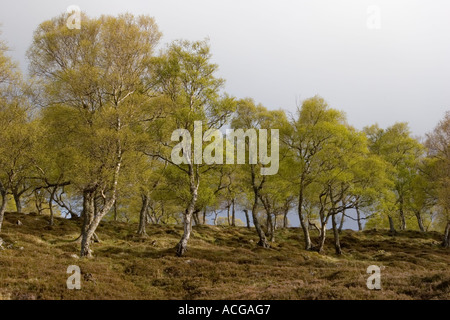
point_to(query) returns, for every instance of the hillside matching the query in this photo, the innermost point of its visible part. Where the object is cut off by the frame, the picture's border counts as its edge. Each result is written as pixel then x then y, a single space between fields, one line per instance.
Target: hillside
pixel 222 263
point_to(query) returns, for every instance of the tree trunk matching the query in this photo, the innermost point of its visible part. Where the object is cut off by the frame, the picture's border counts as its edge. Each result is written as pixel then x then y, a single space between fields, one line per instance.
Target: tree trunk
pixel 247 218
pixel 92 215
pixel 50 205
pixel 337 243
pixel 268 222
pixel 313 225
pixel 88 236
pixel 228 215
pixel 270 227
pixel 88 209
pixel 420 221
pixel 402 215
pixel 3 205
pixel 182 245
pixel 233 213
pixel 262 236
pixel 392 230
pixel 446 241
pixel 285 219
pixel 194 184
pixel 196 218
pixel 204 216
pixel 358 218
pixel 38 202
pixel 17 201
pixel 143 216
pixel 115 210
pixel 88 217
pixel 303 223
pixel 341 223
pixel 215 217
pixel 323 234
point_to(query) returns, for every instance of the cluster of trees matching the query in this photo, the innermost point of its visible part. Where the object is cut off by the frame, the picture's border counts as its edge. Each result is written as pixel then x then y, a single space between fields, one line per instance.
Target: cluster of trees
pixel 88 134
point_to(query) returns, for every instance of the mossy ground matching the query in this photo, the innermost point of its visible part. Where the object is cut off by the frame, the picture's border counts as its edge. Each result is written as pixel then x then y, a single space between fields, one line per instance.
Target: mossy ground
pixel 221 263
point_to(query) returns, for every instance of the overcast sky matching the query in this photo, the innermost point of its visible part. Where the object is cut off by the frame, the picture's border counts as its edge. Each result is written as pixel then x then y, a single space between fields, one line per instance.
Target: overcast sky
pixel 281 52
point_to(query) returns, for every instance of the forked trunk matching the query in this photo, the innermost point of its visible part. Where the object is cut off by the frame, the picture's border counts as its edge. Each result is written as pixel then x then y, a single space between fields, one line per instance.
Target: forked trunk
pixel 93 214
pixel 92 218
pixel 337 243
pixel 88 236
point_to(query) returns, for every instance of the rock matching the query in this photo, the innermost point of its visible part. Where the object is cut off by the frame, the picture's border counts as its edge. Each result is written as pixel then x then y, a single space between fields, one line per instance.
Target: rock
pixel 74 256
pixel 21 248
pixel 154 243
pixel 19 223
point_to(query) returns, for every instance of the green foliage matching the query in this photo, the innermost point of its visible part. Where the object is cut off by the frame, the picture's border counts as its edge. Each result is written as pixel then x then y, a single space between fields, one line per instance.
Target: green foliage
pixel 90 134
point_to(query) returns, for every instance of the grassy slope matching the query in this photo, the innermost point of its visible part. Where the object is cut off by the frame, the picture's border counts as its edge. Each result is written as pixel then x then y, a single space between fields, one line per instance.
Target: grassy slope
pixel 222 263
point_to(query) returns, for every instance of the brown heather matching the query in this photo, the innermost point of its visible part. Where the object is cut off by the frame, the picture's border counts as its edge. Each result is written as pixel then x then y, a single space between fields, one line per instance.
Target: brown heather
pixel 221 263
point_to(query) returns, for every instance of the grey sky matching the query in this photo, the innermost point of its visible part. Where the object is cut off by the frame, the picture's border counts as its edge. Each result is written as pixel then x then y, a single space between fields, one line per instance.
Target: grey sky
pixel 280 52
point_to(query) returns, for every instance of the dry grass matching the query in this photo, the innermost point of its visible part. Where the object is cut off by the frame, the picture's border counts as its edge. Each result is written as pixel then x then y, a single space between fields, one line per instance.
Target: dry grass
pixel 222 263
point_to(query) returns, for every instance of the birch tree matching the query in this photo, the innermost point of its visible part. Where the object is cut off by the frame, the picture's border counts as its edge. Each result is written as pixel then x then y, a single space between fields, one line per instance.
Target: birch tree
pixel 184 74
pixel 96 86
